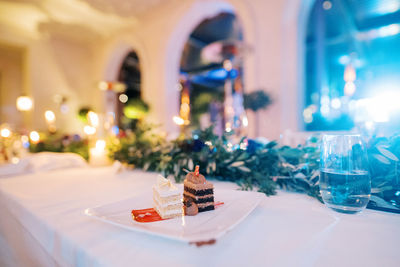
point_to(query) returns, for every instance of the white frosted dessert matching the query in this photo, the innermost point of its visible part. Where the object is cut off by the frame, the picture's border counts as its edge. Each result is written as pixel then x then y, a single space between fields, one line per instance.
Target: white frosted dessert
pixel 167 199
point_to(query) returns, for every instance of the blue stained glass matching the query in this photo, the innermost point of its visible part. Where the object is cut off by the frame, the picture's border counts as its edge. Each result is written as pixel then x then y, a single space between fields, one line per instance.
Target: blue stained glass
pixel 364 35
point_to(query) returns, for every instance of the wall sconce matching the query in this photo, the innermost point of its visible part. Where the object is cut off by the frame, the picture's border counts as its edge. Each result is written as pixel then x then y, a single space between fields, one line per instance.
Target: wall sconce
pixel 24 103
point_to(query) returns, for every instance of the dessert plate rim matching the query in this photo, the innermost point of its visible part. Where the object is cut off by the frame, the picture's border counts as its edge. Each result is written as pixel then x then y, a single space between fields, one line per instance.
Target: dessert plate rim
pixel 211 224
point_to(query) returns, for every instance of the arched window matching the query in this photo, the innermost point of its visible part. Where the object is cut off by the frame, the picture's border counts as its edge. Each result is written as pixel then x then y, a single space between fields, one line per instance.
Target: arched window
pixel 352 65
pixel 130 75
pixel 130 103
pixel 211 71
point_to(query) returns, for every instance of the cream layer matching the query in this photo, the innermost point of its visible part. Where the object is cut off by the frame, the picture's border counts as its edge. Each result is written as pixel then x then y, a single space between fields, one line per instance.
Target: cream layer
pixel 203 205
pixel 164 205
pixel 165 201
pixel 169 209
pixel 169 213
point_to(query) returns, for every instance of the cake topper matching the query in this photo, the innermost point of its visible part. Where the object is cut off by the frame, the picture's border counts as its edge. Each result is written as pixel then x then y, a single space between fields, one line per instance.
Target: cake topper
pixel 196 177
pixel 163 182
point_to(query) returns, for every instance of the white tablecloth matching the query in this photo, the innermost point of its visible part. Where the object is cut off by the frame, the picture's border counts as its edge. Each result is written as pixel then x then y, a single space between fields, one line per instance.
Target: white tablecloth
pixel 42 224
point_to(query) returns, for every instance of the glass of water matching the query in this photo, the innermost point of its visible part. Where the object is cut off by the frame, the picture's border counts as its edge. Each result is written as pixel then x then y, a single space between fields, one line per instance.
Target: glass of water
pixel 345 183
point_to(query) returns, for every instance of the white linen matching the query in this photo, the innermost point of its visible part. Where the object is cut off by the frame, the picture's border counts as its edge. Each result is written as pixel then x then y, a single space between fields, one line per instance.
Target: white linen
pixel 42 162
pixel 42 224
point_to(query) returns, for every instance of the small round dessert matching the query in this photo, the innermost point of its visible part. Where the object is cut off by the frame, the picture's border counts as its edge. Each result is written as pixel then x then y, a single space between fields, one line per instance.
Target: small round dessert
pixel 190 208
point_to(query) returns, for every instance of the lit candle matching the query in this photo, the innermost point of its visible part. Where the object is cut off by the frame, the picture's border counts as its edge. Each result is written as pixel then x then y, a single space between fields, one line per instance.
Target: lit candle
pixel 93 119
pixel 178 120
pixel 35 137
pixel 5 132
pixel 89 130
pixel 98 154
pixel 50 120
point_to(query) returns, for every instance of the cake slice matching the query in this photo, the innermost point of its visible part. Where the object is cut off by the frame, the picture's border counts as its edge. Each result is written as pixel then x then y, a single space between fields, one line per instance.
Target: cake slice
pixel 199 190
pixel 167 199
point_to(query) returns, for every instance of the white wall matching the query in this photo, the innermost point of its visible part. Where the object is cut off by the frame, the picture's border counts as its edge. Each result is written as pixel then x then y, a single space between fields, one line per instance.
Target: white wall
pixel 11 83
pixel 59 64
pixel 160 36
pixel 55 64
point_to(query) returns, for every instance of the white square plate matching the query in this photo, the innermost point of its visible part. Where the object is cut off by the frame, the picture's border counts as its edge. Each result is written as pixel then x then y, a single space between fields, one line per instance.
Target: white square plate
pixel 205 226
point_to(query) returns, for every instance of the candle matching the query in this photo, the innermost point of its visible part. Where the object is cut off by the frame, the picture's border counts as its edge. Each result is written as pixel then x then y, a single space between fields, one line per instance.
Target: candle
pixel 98 154
pixel 93 119
pixel 50 120
pixel 34 136
pixel 89 130
pixel 5 132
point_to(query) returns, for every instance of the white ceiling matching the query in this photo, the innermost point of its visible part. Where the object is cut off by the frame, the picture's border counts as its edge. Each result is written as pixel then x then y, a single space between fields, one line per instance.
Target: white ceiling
pixel 93 17
pixel 124 7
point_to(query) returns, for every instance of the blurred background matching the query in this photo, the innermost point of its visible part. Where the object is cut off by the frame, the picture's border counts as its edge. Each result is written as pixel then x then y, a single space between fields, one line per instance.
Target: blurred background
pixel 276 69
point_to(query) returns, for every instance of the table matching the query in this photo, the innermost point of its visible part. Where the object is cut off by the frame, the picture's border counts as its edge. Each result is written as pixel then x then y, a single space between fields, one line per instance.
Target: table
pixel 42 224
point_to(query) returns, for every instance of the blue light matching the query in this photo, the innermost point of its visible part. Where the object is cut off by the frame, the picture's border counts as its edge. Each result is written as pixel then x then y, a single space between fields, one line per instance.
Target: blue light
pixel 344 60
pixel 115 130
pixel 222 74
pixel 219 74
pixel 389 30
pixel 387 7
pixel 233 74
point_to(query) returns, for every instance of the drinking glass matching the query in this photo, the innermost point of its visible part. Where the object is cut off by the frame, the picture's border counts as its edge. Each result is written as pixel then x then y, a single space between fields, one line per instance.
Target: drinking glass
pixel 345 183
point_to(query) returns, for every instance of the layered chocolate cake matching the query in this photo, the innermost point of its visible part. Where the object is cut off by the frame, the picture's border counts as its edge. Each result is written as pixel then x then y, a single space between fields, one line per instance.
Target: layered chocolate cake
pixel 199 191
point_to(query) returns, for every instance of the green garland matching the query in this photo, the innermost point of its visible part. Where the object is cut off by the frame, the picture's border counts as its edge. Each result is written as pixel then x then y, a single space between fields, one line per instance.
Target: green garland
pixel 62 143
pixel 252 164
